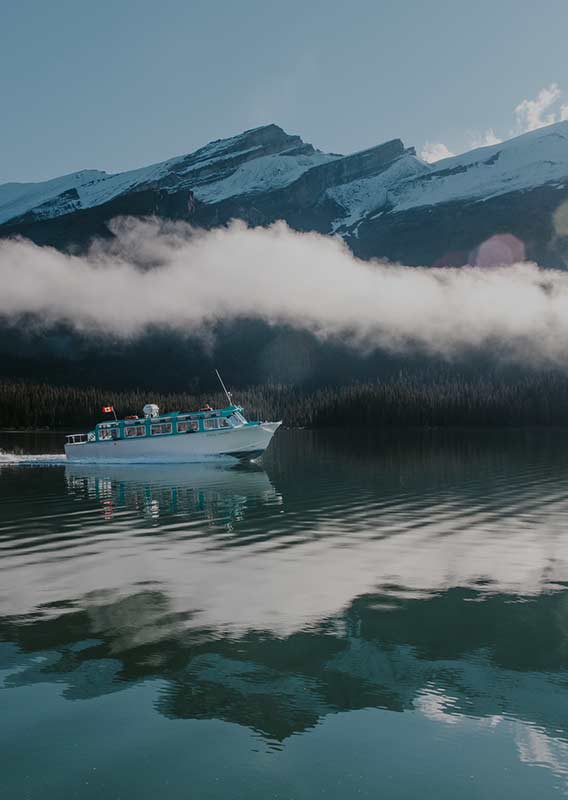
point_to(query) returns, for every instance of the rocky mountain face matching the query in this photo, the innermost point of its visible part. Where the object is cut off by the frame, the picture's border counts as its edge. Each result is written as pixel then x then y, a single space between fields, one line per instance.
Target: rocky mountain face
pixel 385 202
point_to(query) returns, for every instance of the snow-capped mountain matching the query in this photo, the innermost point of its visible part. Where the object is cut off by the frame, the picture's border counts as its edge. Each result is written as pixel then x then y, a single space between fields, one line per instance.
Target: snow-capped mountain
pixel 257 159
pixel 526 162
pixel 384 201
pixel 443 215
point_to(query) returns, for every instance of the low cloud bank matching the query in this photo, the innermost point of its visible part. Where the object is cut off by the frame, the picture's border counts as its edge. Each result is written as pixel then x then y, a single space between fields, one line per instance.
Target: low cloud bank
pixel 168 275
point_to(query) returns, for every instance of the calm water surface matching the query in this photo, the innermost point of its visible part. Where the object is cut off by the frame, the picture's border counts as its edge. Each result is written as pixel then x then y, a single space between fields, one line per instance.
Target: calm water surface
pixel 381 618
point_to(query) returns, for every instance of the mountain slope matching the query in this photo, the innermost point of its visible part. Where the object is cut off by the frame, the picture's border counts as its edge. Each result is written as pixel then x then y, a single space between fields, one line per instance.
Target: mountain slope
pixel 526 162
pixel 246 163
pixel 518 188
pixel 384 201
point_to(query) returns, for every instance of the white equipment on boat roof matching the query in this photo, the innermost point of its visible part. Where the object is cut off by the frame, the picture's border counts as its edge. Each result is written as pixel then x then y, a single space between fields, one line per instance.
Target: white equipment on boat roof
pixel 151 410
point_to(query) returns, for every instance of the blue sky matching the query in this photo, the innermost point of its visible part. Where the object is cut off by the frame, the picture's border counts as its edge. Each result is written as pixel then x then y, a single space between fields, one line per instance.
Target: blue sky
pixel 116 85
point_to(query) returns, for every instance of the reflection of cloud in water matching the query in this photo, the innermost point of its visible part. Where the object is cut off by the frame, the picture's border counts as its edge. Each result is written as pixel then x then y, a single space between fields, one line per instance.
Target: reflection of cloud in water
pixel 244 550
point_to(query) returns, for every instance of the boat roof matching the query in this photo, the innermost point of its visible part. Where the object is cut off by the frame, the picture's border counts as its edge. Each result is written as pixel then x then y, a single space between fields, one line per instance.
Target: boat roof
pixel 224 412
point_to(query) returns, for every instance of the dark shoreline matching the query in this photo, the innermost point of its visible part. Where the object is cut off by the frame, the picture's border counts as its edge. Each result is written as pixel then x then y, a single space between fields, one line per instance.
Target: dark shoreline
pixel 405 402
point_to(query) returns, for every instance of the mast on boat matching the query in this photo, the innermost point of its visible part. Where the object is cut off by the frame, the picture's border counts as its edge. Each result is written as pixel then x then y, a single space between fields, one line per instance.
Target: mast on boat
pixel 227 393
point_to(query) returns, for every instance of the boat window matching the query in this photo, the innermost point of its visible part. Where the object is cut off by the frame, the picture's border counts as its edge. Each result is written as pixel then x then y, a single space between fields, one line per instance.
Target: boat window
pixel 135 430
pixel 187 425
pixel 109 432
pixel 215 423
pixel 158 428
pixel 79 438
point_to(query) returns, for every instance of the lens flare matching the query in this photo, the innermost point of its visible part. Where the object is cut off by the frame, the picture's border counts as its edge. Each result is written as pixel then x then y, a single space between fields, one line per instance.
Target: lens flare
pixel 560 219
pixel 499 250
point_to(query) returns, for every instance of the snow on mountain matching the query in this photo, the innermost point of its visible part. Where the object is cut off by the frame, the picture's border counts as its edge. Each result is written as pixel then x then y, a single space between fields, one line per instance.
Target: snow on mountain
pixel 362 197
pixel 263 174
pixel 69 193
pixel 261 159
pixel 533 159
pixel 17 198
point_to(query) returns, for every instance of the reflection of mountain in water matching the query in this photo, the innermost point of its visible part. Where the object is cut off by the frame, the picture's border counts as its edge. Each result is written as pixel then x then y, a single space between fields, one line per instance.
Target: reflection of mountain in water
pixel 449 655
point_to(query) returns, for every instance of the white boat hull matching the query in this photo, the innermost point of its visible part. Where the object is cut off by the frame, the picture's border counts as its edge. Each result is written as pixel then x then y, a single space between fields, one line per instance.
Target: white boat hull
pixel 236 444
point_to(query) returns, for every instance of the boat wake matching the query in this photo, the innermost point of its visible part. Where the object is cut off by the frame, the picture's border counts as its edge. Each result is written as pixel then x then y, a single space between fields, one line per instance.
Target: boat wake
pixel 31 460
pixel 60 460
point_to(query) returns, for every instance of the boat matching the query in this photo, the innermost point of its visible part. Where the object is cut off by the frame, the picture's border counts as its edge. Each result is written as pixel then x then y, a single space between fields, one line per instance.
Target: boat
pixel 176 437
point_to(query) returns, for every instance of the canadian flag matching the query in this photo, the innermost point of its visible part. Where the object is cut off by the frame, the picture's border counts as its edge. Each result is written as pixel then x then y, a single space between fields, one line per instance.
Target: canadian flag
pixel 108 409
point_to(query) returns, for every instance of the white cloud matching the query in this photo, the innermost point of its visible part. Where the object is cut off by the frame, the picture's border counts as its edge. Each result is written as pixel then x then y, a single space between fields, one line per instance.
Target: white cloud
pixel 530 115
pixel 533 114
pixel 484 139
pixel 435 151
pixel 520 308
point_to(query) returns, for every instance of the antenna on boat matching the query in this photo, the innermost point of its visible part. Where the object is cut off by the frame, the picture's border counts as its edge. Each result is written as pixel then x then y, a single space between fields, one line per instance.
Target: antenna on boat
pixel 228 394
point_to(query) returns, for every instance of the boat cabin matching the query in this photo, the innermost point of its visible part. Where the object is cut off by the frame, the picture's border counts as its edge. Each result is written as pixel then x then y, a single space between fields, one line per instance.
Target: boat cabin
pixel 155 424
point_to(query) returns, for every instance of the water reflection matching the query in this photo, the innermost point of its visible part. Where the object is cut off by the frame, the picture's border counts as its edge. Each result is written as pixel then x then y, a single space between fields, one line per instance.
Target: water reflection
pixel 446 657
pixel 429 576
pixel 219 493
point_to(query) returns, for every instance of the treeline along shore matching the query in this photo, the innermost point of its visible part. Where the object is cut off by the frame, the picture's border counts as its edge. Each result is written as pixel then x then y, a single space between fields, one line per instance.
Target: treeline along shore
pixel 400 401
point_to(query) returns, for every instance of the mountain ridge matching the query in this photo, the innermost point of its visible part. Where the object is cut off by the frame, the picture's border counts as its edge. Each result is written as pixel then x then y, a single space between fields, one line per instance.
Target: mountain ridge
pixel 384 200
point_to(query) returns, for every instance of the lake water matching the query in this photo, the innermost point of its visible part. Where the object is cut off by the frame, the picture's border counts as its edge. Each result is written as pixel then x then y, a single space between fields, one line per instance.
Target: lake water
pixel 374 617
